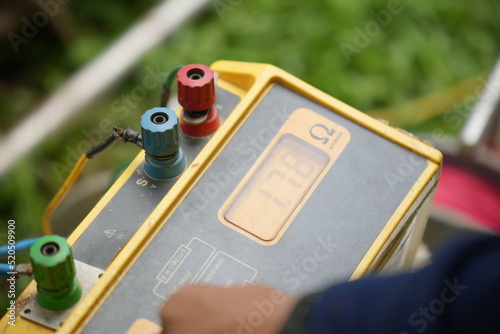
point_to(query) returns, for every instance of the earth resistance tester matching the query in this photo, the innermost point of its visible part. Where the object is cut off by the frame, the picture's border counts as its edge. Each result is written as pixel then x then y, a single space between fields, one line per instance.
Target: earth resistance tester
pixel 274 183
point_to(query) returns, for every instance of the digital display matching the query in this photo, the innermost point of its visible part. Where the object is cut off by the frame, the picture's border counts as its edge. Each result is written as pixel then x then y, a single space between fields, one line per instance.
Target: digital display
pixel 279 184
pixel 276 187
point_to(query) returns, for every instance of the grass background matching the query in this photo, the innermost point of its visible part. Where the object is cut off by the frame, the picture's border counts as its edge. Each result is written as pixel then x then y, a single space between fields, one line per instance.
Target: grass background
pixel 425 48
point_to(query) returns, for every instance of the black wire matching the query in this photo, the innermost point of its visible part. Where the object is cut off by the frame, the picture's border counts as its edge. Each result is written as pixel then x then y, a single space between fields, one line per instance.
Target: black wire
pixel 91 152
pixel 131 136
pixel 127 135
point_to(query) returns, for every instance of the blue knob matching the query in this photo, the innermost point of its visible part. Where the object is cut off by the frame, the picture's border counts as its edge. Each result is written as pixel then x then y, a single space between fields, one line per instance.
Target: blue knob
pixel 162 143
pixel 160 132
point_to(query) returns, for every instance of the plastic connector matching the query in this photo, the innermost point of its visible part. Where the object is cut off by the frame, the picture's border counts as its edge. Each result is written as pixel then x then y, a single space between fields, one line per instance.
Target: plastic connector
pixel 55 274
pixel 162 143
pixel 196 95
pixel 196 87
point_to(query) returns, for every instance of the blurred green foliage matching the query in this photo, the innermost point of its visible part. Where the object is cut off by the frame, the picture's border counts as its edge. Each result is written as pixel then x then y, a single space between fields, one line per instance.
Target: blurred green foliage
pixel 426 47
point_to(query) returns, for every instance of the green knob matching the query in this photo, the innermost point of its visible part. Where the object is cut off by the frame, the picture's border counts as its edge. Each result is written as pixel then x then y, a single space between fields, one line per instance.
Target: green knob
pixel 55 274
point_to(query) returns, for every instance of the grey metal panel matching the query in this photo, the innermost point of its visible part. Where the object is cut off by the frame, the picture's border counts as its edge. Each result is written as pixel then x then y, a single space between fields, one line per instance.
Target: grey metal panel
pixel 324 244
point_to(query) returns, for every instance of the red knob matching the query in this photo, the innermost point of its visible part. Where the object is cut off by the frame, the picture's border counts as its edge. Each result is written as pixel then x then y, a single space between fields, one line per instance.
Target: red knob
pixel 196 88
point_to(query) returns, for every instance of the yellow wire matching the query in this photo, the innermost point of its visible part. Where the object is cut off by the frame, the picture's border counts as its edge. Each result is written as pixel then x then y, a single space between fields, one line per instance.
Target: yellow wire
pixel 51 207
pixel 432 105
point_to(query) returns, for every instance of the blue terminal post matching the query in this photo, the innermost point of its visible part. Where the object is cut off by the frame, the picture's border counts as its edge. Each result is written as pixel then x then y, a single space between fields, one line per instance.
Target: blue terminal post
pixel 162 143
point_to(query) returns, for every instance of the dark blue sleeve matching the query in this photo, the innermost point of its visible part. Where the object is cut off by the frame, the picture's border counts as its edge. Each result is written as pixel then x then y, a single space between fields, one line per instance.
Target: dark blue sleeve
pixel 458 293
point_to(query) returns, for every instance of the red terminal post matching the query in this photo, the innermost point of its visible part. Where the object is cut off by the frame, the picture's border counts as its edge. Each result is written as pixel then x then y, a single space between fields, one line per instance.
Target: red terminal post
pixel 196 95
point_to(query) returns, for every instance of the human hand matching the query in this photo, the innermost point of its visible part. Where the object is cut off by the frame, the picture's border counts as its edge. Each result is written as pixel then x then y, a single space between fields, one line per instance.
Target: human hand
pixel 199 309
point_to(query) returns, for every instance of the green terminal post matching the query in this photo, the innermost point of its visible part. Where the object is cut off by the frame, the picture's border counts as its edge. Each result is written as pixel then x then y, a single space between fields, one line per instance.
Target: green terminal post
pixel 55 274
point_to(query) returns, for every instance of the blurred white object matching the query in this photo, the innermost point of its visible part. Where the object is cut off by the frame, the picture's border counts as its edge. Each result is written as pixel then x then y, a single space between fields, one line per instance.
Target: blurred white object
pixel 480 137
pixel 92 80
